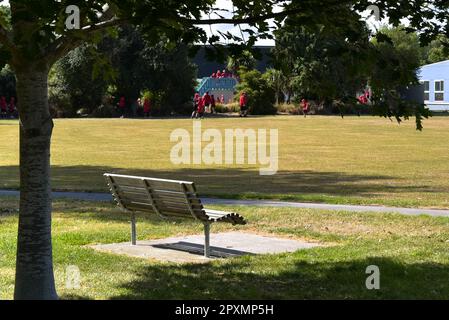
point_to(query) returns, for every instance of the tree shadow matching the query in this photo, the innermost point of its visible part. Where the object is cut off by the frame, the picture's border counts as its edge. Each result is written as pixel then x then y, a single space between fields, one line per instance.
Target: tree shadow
pixel 231 182
pixel 244 279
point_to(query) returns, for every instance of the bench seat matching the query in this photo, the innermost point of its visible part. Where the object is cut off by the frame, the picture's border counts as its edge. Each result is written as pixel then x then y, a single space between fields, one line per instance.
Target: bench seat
pixel 166 198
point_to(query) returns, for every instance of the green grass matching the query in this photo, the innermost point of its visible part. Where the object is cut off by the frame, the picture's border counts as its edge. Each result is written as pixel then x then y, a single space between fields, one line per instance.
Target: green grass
pixel 411 253
pixel 324 159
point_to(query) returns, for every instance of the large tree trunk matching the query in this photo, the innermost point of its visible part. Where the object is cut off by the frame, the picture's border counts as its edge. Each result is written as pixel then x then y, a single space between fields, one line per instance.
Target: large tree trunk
pixel 34 269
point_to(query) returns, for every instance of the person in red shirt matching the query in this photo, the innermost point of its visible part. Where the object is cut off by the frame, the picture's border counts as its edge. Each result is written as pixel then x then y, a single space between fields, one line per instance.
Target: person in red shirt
pixel 206 100
pixel 243 105
pixel 3 107
pixel 218 74
pixel 305 107
pixel 196 102
pixel 201 109
pixel 122 107
pixel 146 108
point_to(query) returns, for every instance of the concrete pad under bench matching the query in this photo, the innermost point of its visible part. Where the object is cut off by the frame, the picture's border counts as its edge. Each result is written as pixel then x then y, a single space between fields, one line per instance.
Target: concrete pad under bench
pixel 190 249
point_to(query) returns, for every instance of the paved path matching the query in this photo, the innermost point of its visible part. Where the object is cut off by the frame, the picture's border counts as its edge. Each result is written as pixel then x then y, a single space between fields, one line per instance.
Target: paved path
pixel 259 203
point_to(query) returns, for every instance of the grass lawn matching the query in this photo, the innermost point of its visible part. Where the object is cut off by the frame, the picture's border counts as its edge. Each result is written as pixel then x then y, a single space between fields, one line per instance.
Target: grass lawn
pixel 411 253
pixel 325 159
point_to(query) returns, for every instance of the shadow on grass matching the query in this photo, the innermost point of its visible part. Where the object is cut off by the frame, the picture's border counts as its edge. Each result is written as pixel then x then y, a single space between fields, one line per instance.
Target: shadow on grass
pixel 230 182
pixel 253 279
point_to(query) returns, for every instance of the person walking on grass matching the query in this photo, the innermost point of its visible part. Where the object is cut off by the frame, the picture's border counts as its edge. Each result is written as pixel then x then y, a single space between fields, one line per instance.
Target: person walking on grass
pixel 146 108
pixel 243 105
pixel 206 101
pixel 196 103
pixel 305 107
pixel 201 108
pixel 122 107
pixel 3 107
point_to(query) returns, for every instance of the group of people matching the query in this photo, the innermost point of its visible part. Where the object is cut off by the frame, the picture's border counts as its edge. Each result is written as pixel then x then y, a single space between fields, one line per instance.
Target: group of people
pixel 221 74
pixel 207 104
pixel 201 105
pixel 132 109
pixel 8 110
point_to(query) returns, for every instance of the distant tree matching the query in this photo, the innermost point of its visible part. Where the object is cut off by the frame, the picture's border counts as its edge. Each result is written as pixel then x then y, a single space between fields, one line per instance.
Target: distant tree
pixel 437 51
pixel 244 59
pixel 396 62
pixel 7 82
pixel 81 80
pixel 322 62
pixel 278 82
pixel 159 66
pixel 171 73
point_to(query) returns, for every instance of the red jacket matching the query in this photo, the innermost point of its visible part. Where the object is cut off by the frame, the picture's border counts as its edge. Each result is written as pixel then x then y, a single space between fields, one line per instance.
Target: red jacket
pixel 146 105
pixel 206 99
pixel 3 104
pixel 122 103
pixel 243 100
pixel 201 106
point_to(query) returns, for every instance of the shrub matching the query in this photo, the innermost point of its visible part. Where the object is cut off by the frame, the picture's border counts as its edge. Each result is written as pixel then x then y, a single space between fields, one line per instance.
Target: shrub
pixel 227 108
pixel 261 96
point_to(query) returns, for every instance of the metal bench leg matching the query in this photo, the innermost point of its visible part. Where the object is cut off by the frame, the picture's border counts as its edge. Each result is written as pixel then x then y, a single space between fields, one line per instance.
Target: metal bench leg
pixel 133 229
pixel 207 239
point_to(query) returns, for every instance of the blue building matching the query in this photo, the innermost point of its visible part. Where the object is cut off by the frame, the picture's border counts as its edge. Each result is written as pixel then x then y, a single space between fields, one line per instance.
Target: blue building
pixel 435 80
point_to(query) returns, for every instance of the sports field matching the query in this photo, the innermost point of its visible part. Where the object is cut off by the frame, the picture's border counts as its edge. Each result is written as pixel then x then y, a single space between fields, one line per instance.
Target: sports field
pixel 354 160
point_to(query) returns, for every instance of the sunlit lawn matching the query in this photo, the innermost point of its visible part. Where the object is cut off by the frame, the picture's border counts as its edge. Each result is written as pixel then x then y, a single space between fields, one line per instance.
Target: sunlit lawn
pixel 411 252
pixel 328 159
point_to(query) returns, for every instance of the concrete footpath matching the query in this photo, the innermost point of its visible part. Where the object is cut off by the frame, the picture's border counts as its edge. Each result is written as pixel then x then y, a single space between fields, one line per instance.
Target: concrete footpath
pixel 257 203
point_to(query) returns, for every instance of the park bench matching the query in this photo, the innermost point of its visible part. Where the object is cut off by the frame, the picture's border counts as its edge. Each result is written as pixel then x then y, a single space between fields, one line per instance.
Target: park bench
pixel 166 198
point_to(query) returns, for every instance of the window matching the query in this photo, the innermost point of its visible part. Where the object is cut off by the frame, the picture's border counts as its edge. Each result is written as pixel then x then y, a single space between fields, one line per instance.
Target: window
pixel 426 84
pixel 439 90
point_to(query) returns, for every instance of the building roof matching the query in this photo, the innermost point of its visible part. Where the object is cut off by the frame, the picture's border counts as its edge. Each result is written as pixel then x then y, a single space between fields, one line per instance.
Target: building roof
pixel 446 62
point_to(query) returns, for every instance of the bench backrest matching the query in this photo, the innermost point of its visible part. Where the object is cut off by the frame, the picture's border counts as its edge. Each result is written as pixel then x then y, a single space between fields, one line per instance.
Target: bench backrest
pixel 167 198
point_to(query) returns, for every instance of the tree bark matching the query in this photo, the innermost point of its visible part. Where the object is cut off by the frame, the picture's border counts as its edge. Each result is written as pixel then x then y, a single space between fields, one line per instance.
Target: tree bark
pixel 34 265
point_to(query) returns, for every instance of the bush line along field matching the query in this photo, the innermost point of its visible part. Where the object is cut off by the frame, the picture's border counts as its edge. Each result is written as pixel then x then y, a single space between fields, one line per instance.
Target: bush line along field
pixel 411 253
pixel 354 160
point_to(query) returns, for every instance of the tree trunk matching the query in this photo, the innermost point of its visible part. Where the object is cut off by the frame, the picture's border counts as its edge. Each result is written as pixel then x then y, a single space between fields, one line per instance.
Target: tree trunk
pixel 34 269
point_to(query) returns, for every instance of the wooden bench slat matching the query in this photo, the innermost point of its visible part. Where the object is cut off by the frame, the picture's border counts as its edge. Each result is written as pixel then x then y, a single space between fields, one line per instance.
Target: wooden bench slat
pixel 155 185
pixel 160 200
pixel 147 206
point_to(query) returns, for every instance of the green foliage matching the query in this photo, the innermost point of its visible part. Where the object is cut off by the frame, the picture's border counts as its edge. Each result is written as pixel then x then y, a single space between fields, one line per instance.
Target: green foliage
pixel 161 66
pixel 80 78
pixel 244 59
pixel 395 67
pixel 321 62
pixel 278 82
pixel 261 95
pixel 7 83
pixel 437 51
